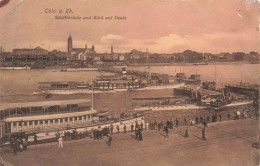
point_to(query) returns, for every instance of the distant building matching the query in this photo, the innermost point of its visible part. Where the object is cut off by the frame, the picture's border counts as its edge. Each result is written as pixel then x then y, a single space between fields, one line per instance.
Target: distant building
pixel 80 53
pixel 28 51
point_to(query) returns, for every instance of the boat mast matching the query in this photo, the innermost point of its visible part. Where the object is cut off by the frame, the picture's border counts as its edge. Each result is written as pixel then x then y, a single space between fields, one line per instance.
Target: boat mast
pixel 215 72
pixel 92 101
pixel 125 104
pixel 241 77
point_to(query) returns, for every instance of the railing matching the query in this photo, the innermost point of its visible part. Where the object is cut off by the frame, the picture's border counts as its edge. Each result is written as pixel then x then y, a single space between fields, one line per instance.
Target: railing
pixel 64 126
pixel 48 112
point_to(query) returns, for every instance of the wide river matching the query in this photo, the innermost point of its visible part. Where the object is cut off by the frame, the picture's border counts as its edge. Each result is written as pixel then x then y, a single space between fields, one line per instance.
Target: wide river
pixel 22 82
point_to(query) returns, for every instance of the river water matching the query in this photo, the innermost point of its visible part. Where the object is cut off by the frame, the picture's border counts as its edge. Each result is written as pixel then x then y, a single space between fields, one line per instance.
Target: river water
pixel 24 82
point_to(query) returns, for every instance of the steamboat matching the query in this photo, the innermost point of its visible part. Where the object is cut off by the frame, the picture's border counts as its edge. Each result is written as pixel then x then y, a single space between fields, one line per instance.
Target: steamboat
pixel 107 84
pixel 47 118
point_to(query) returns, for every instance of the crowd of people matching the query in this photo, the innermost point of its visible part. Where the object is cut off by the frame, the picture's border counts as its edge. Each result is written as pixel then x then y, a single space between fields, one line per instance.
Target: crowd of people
pixel 169 124
pixel 18 144
pixel 200 120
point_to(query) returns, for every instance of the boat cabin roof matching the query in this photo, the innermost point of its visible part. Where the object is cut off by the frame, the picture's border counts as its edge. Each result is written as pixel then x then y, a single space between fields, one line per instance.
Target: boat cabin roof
pixel 50 83
pixel 53 116
pixel 210 92
pixel 4 106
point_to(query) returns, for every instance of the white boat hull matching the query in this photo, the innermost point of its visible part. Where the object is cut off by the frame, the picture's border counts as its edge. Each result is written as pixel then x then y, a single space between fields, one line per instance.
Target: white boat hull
pixel 169 108
pixel 15 68
pixel 88 91
pixel 239 103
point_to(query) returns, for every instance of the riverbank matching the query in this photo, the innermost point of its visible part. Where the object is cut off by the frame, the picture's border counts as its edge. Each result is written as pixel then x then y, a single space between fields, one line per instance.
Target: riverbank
pixel 131 65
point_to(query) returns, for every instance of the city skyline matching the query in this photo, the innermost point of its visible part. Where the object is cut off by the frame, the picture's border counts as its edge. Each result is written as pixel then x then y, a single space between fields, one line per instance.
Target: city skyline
pixel 173 26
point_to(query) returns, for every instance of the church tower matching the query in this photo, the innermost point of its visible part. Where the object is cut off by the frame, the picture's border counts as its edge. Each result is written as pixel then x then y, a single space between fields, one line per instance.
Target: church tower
pixel 112 50
pixel 69 45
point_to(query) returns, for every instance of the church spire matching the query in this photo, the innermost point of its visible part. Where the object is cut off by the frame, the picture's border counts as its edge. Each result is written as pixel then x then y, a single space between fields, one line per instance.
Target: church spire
pixel 112 50
pixel 69 45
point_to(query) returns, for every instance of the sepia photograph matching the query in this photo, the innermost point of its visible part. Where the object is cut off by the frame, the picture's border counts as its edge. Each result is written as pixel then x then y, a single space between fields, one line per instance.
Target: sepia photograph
pixel 129 82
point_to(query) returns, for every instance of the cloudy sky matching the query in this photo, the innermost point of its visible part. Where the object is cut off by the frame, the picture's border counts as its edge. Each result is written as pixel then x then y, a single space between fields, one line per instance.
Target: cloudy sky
pixel 163 26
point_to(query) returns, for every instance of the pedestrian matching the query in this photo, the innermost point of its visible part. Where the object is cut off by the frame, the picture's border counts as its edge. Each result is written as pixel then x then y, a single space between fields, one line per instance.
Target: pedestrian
pixel 136 125
pixel 177 122
pixel 166 131
pixel 111 129
pixel 124 128
pixel 185 122
pixel 190 121
pixel 35 139
pixel 132 127
pixel 109 140
pixel 142 126
pixel 220 117
pixel 20 145
pixel 213 118
pixel 197 120
pixel 186 135
pixel 117 127
pixel 15 147
pixel 25 144
pixel 171 124
pixel 155 124
pixel 201 119
pixel 204 123
pixel 203 134
pixel 60 140
pixel 228 116
pixel 140 135
pixel 136 134
pixel 159 126
pixel 208 118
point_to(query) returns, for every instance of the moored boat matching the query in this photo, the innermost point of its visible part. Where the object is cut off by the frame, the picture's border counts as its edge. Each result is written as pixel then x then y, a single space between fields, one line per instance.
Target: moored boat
pixel 46 119
pixel 15 68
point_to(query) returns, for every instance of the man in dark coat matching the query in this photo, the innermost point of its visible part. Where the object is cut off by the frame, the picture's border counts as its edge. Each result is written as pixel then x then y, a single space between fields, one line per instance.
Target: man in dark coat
pixel 208 118
pixel 117 127
pixel 197 120
pixel 35 139
pixel 203 134
pixel 220 117
pixel 109 140
pixel 166 131
pixel 124 128
pixel 142 126
pixel 136 125
pixel 111 129
pixel 186 135
pixel 171 124
pixel 140 135
pixel 136 134
pixel 204 123
pixel 228 116
pixel 185 121
pixel 132 127
pixel 15 147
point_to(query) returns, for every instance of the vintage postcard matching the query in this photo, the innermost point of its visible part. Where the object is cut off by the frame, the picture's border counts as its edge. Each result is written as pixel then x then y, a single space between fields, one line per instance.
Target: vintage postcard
pixel 129 82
